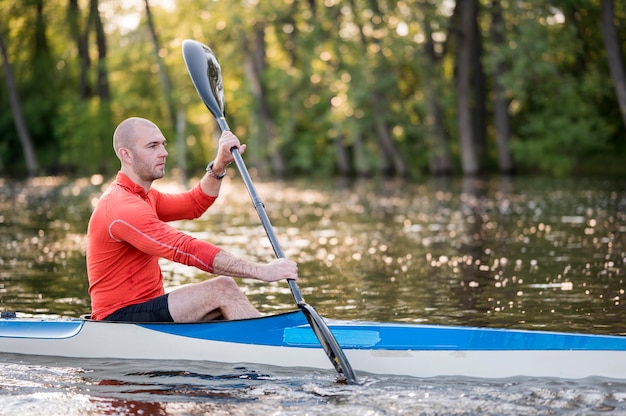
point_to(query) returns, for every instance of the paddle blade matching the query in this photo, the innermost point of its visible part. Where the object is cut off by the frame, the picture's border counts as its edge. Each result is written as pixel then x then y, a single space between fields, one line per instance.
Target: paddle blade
pixel 206 75
pixel 329 343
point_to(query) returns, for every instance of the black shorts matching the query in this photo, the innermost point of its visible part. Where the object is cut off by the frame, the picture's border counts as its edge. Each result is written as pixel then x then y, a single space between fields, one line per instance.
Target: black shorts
pixel 154 310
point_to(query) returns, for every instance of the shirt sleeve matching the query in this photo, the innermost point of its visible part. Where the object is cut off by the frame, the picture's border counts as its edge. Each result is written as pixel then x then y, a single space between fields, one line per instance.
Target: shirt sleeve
pixel 182 206
pixel 138 225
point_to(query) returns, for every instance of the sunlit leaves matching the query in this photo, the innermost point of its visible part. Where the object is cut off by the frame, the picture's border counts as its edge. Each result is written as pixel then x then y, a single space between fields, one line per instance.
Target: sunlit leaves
pixel 324 63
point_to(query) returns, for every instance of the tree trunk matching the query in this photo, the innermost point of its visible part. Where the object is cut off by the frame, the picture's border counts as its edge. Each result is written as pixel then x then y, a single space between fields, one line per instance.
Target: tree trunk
pixel 479 93
pixel 614 54
pixel 359 155
pixel 163 74
pixel 103 78
pixel 501 103
pixel 392 159
pixel 469 156
pixel 341 155
pixel 84 88
pixel 440 159
pixel 80 39
pixel 18 116
pixel 254 65
pixel 393 162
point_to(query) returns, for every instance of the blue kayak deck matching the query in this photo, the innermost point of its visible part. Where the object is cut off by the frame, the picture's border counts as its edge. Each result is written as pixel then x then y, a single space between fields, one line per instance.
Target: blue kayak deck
pixel 291 329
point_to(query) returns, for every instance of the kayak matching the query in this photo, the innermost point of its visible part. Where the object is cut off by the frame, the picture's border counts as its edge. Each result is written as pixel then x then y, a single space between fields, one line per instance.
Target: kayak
pixel 287 340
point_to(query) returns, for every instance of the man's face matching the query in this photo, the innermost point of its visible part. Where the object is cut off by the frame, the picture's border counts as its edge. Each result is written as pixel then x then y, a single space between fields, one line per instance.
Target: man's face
pixel 149 153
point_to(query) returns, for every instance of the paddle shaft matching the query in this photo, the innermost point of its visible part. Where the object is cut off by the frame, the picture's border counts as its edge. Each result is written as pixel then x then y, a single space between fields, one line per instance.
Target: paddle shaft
pixel 258 206
pixel 260 209
pixel 269 230
pixel 319 327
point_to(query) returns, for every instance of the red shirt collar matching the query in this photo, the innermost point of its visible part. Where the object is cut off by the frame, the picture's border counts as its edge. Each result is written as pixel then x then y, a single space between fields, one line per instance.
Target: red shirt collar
pixel 125 182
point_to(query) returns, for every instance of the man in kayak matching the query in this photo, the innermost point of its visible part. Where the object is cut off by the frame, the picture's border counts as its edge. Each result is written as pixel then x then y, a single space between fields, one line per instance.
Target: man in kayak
pixel 128 233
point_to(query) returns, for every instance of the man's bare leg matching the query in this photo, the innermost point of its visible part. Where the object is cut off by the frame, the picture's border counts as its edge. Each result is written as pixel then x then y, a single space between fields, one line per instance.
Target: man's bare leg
pixel 211 299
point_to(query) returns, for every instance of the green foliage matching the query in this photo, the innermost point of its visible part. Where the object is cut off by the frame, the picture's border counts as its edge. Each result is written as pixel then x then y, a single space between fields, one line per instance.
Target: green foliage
pixel 85 130
pixel 558 95
pixel 325 70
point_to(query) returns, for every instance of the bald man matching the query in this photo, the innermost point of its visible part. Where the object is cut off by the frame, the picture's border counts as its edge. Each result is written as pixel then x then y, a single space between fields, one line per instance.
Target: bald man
pixel 128 233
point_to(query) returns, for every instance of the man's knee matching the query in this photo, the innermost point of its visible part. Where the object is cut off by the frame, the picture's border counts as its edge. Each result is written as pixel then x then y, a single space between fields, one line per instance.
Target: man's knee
pixel 226 282
pixel 223 284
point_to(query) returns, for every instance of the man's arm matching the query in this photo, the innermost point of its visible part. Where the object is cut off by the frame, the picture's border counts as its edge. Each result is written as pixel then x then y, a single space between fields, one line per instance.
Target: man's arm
pixel 145 232
pixel 224 262
pixel 211 185
pixel 192 204
pixel 279 269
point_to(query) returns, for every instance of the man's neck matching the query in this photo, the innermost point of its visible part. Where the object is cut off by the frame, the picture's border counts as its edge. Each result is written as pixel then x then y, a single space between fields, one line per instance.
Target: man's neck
pixel 135 178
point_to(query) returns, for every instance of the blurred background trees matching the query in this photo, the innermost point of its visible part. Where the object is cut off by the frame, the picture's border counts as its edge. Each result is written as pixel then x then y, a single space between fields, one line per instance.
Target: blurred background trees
pixel 322 87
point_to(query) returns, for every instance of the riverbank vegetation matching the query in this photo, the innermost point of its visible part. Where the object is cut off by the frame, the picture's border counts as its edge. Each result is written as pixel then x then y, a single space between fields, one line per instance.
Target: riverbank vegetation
pixel 332 87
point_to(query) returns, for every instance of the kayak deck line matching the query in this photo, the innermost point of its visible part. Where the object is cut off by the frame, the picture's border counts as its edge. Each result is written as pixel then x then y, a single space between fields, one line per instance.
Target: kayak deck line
pixel 292 329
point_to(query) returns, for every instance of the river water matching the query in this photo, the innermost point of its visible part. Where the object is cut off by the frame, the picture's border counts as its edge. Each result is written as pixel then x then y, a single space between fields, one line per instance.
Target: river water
pixel 531 253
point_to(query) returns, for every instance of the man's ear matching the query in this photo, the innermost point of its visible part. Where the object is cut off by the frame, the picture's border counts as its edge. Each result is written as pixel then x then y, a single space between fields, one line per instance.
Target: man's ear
pixel 126 155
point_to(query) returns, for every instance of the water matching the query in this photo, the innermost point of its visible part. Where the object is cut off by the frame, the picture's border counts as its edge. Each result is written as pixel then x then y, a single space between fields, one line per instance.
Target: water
pixel 167 388
pixel 523 253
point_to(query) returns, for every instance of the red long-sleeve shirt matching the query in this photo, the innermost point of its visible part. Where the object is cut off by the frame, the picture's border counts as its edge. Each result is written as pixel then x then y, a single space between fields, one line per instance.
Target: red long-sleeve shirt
pixel 127 235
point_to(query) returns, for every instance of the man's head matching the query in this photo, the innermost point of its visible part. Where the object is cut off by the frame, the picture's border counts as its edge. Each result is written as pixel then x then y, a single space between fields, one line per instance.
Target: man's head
pixel 140 146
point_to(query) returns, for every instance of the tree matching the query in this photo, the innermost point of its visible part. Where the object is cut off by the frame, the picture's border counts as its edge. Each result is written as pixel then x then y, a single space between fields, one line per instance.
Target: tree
pixel 353 87
pixel 255 66
pixel 81 41
pixel 104 91
pixel 440 159
pixel 466 56
pixel 378 85
pixel 614 54
pixel 501 102
pixel 16 108
pixel 163 72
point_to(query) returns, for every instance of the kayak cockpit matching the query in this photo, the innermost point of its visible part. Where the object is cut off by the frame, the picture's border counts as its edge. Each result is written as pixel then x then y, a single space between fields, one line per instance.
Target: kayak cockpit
pixel 40 329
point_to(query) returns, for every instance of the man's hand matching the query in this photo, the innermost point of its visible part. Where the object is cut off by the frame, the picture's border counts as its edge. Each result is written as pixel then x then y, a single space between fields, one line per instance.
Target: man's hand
pixel 224 156
pixel 279 269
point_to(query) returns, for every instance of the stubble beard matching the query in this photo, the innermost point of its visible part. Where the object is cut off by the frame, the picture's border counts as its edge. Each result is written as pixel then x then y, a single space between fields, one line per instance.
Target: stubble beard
pixel 148 173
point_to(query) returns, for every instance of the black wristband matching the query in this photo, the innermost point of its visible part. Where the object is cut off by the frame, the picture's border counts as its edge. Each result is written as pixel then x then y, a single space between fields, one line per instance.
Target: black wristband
pixel 209 169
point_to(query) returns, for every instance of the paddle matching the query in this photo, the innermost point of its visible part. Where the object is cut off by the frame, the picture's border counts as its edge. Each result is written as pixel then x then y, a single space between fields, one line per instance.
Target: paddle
pixel 206 75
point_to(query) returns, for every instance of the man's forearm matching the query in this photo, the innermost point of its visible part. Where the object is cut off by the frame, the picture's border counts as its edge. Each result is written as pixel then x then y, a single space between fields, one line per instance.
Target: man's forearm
pixel 226 263
pixel 210 185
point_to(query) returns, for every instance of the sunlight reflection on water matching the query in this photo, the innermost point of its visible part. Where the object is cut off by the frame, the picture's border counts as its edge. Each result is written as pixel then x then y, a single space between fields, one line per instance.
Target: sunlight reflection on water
pixel 504 252
pixel 528 253
pixel 71 387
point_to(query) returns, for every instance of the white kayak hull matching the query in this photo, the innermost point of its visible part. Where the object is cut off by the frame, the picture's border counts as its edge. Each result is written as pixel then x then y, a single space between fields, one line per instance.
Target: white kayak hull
pixel 286 340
